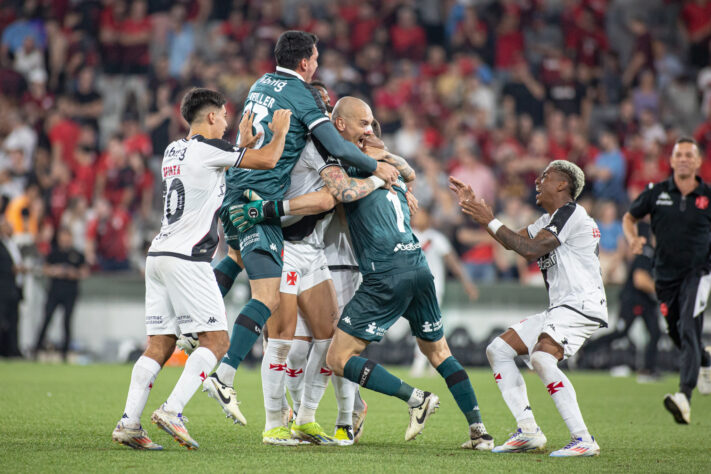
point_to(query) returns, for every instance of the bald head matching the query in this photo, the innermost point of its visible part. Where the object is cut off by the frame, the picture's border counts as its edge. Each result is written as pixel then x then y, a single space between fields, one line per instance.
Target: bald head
pixel 352 118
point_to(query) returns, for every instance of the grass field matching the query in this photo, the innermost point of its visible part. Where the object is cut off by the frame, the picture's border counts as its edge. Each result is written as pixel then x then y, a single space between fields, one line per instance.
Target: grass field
pixel 60 418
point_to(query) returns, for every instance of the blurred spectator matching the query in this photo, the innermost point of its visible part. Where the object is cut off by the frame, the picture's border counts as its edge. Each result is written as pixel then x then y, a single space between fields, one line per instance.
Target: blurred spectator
pixel 11 294
pixel 87 104
pixel 109 235
pixel 607 173
pixel 645 96
pixel 526 92
pixel 181 40
pixel 407 37
pixel 64 266
pixel 612 243
pixel 134 38
pixel 29 57
pixel 696 16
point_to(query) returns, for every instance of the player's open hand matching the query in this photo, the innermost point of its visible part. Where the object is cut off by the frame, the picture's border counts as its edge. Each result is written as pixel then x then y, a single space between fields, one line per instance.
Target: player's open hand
pixel 476 208
pixel 280 122
pixel 246 138
pixel 412 203
pixel 245 216
pixel 386 172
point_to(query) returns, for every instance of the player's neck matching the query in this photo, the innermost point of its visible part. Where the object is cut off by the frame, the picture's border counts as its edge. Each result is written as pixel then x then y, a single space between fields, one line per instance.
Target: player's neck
pixel 200 130
pixel 685 184
pixel 557 204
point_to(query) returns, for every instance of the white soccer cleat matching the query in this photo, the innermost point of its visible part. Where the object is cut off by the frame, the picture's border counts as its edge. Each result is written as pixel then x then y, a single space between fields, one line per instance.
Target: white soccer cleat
pixel 188 342
pixel 359 421
pixel 174 424
pixel 135 438
pixel 704 381
pixel 520 442
pixel 578 447
pixel 479 439
pixel 226 397
pixel 420 414
pixel 678 405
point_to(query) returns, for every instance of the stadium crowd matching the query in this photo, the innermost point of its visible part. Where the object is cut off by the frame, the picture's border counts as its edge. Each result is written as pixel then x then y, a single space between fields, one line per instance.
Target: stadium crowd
pixel 486 91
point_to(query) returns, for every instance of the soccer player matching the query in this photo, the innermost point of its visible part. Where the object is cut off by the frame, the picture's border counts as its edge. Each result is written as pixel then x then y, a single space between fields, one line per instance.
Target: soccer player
pixel 565 242
pixel 440 255
pixel 181 291
pixel 261 246
pixel 681 223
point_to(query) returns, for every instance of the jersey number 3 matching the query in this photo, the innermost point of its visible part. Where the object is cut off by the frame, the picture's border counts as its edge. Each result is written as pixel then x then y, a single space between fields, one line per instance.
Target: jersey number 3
pixel 174 199
pixel 399 216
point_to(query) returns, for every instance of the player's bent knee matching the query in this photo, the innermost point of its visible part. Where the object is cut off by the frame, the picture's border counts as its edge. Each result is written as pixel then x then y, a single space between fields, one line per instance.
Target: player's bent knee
pixel 335 361
pixel 496 350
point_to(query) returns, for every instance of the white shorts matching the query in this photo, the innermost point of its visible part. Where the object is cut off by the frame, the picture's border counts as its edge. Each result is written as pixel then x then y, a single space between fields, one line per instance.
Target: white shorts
pixel 182 297
pixel 567 327
pixel 346 282
pixel 304 267
pixel 302 328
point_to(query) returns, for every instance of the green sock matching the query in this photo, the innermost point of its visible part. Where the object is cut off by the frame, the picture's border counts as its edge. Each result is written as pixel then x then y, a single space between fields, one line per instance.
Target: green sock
pixel 247 329
pixel 225 273
pixel 374 376
pixel 462 390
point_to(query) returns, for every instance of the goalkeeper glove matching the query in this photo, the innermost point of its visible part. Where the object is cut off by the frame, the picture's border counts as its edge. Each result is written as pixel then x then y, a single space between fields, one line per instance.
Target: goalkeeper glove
pixel 246 216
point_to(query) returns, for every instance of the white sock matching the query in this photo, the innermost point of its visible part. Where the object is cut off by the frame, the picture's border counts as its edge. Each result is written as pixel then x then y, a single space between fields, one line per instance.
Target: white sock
pixel 197 368
pixel 510 381
pixel 345 392
pixel 358 403
pixel 144 373
pixel 295 365
pixel 226 374
pixel 273 369
pixel 316 377
pixel 562 391
pixel 419 363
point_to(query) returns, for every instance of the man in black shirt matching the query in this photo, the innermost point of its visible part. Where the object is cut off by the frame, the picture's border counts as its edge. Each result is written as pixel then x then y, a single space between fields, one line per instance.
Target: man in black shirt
pixel 637 299
pixel 65 266
pixel 681 222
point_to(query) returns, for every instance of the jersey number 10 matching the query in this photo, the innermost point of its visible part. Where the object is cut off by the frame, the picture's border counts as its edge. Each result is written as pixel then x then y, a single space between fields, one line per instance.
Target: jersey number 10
pixel 178 189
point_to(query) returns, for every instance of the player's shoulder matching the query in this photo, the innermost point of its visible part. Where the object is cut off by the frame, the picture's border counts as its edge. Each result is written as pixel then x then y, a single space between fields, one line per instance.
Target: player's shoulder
pixel 217 143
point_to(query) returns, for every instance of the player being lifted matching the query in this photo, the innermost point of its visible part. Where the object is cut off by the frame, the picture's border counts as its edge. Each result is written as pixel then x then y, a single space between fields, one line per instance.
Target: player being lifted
pixel 261 246
pixel 181 291
pixel 396 282
pixel 565 242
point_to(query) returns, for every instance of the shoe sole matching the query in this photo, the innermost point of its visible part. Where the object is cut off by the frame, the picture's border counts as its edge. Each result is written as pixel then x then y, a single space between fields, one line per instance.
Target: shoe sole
pixel 674 410
pixel 277 442
pixel 210 393
pixel 541 449
pixel 137 447
pixel 310 439
pixel 431 409
pixel 575 456
pixel 359 432
pixel 181 441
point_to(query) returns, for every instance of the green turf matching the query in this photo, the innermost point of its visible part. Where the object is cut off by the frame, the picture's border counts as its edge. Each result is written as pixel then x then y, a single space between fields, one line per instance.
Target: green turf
pixel 60 418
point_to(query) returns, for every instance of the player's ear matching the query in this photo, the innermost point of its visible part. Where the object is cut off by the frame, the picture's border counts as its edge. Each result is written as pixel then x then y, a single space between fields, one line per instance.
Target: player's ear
pixel 210 117
pixel 340 124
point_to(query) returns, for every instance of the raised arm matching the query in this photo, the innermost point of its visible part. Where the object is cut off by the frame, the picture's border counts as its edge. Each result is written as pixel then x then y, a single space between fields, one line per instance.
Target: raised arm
pixel 266 157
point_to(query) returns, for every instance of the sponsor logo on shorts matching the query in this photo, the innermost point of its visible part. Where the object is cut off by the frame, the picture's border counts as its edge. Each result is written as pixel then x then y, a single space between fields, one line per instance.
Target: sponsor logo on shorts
pixel 291 278
pixel 408 247
pixel 429 327
pixel 374 329
pixel 154 320
pixel 184 319
pixel 211 320
pixel 347 320
pixel 248 240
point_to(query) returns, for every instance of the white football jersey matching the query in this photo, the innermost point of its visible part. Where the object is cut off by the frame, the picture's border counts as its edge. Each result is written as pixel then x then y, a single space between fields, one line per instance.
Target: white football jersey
pixel 306 178
pixel 337 238
pixel 193 174
pixel 435 246
pixel 572 270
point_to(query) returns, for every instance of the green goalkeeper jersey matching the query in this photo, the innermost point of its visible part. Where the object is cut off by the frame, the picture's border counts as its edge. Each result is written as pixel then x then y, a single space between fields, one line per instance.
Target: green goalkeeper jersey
pixel 380 230
pixel 282 89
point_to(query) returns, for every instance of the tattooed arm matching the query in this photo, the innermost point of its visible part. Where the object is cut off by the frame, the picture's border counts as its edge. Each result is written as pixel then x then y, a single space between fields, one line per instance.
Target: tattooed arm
pixel 343 187
pixel 405 170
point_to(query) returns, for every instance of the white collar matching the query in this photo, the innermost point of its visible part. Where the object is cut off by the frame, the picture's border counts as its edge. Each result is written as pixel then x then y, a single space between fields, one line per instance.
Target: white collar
pixel 289 71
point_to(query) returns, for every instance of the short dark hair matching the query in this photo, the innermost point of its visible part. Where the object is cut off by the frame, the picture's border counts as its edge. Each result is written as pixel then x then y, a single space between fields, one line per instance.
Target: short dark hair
pixel 293 46
pixel 197 99
pixel 317 83
pixel 686 140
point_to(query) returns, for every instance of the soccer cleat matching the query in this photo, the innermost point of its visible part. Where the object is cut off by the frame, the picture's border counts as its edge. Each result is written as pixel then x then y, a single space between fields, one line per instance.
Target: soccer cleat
pixel 313 433
pixel 226 396
pixel 344 435
pixel 578 447
pixel 479 439
pixel 279 436
pixel 678 406
pixel 520 442
pixel 174 424
pixel 359 421
pixel 704 381
pixel 420 414
pixel 188 342
pixel 135 438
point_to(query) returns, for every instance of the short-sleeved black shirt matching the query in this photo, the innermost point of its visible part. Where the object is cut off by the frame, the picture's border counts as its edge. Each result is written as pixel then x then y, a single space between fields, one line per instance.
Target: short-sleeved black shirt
pixel 69 258
pixel 681 225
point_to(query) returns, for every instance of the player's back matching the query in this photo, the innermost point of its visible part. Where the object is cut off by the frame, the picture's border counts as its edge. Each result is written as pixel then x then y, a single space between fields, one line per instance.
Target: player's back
pixel 193 188
pixel 279 90
pixel 380 230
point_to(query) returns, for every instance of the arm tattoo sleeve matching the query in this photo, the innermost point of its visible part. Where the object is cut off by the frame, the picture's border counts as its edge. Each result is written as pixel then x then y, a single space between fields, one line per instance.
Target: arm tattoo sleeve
pixel 530 249
pixel 343 187
pixel 405 170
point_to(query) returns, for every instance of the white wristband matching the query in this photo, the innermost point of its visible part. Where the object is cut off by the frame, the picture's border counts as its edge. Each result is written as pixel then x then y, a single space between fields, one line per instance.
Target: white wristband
pixel 495 225
pixel 377 182
pixel 287 208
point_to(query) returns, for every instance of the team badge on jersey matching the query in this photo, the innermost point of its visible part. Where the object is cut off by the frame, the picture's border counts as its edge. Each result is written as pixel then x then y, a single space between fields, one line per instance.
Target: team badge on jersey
pixel 702 202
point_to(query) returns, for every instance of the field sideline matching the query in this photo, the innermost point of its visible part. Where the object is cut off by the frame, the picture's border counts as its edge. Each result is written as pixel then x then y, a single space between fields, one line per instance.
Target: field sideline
pixel 60 418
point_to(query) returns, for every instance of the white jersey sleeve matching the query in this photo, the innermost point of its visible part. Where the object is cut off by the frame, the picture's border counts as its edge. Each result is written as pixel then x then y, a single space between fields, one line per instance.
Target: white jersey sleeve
pixel 540 223
pixel 218 153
